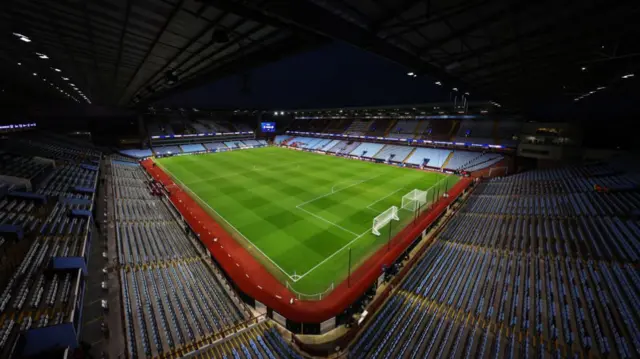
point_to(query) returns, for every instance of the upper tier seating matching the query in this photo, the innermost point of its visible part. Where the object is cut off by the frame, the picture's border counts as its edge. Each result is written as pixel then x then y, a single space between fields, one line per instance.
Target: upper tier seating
pixel 475 131
pixel 378 127
pixel 404 129
pixel 199 128
pixel 438 130
pixel 242 127
pixel 358 127
pixel 540 253
pixel 435 157
pixel 367 149
pixel 394 153
pixel 339 126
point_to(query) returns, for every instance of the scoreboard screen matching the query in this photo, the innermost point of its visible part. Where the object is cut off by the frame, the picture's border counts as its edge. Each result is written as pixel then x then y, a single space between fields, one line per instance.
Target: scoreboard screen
pixel 268 126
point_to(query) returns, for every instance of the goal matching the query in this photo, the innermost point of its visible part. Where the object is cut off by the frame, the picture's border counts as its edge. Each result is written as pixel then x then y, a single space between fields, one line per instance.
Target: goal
pixel 414 199
pixel 384 218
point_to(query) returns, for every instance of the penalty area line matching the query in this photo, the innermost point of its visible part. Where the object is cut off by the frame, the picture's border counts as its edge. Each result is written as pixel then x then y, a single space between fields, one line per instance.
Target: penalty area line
pixel 332 255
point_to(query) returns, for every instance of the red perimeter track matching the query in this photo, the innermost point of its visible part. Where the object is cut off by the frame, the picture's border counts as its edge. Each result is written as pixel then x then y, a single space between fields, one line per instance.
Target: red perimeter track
pixel 254 280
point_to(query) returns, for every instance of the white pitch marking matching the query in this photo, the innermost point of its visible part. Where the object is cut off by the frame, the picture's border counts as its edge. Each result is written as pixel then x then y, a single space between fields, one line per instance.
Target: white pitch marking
pixel 387 196
pixel 342 189
pixel 231 225
pixel 334 253
pixel 326 220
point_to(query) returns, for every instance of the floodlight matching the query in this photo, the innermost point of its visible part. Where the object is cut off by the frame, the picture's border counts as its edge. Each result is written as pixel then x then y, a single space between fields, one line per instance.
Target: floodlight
pixel 438 83
pixel 171 77
pixel 628 76
pixel 56 70
pixel 410 73
pixel 22 37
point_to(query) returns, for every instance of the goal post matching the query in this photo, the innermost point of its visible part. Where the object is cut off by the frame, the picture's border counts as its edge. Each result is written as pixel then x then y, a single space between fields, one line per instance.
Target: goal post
pixel 414 199
pixel 384 218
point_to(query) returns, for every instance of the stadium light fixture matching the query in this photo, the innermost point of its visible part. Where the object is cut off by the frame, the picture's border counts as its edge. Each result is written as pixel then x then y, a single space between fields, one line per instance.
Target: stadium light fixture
pixel 275 113
pixel 65 78
pixel 601 88
pixel 455 89
pixel 628 76
pixel 22 37
pixel 35 74
pixel 583 68
pixel 410 74
pixel 56 70
pixel 281 113
pixel 438 83
pixel 42 56
pixel 19 63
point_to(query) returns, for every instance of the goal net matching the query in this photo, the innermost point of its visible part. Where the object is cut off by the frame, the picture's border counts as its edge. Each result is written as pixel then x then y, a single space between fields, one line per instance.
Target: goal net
pixel 414 199
pixel 384 218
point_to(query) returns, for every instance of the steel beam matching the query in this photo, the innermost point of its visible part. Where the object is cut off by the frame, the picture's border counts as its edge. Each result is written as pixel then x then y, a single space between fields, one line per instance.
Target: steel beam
pixel 310 17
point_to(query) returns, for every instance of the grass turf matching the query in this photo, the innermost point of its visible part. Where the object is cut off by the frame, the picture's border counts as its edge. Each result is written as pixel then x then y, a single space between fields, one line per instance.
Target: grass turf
pixel 301 210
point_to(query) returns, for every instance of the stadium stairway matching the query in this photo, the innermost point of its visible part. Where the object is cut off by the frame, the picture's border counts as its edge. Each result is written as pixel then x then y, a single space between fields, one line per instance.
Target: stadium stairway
pixel 392 123
pixel 420 128
pixel 380 150
pixel 454 129
pixel 410 154
pixel 446 162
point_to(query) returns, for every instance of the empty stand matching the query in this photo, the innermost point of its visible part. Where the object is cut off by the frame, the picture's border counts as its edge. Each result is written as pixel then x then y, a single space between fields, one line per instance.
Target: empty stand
pixel 536 264
pixel 172 296
pixel 394 153
pixel 431 157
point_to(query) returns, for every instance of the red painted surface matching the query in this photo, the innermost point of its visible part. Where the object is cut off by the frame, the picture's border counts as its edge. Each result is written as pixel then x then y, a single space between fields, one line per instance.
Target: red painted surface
pixel 254 280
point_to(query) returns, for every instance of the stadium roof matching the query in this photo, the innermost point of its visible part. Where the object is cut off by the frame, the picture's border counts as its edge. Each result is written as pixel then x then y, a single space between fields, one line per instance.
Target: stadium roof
pixel 115 50
pixel 128 51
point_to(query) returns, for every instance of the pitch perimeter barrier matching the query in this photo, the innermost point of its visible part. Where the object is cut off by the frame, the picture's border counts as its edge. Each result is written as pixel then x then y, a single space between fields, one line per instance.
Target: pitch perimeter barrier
pixel 257 282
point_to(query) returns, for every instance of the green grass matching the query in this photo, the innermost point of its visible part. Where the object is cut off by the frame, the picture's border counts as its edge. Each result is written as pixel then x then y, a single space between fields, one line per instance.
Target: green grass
pixel 300 212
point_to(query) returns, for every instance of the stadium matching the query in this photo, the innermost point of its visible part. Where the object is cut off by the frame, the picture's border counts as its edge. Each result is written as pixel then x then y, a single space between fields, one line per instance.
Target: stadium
pixel 319 179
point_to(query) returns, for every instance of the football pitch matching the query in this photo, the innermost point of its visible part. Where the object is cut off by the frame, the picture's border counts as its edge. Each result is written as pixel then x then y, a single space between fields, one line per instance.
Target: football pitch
pixel 299 213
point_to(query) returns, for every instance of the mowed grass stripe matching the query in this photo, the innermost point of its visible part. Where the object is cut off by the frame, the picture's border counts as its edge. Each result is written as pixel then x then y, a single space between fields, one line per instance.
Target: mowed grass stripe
pixel 258 192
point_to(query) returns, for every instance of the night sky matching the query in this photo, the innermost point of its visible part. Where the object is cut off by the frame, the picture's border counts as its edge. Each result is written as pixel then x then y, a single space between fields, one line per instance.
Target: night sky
pixel 336 75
